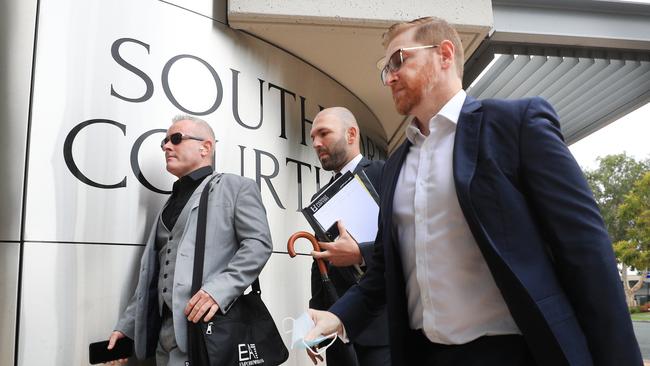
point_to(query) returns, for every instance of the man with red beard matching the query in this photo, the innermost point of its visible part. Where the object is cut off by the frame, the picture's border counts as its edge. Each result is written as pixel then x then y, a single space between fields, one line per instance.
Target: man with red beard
pixel 335 139
pixel 491 249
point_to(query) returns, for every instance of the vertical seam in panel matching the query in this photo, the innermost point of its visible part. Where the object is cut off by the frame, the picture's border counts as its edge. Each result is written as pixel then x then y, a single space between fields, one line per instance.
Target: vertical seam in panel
pixel 25 177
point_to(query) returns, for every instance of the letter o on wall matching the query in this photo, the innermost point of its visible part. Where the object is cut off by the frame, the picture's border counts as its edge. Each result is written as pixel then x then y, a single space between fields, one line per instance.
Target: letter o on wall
pixel 170 95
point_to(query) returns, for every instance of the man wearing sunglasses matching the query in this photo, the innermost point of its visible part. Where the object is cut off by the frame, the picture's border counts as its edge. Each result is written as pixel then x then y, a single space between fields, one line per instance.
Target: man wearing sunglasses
pixel 237 245
pixel 491 249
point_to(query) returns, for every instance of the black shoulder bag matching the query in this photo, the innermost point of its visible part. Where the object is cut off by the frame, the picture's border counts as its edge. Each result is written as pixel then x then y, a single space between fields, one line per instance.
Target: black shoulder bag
pixel 246 335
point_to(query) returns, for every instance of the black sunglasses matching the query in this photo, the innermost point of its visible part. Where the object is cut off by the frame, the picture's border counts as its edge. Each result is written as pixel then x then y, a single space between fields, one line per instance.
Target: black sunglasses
pixel 396 60
pixel 177 138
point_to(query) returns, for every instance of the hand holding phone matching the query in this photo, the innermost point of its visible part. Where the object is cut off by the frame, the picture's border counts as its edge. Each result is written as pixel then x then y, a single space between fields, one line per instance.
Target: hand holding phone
pixel 99 352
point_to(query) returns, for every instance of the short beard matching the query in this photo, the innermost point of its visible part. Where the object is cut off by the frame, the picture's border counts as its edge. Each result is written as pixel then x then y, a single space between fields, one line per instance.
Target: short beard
pixel 337 154
pixel 414 91
pixel 406 103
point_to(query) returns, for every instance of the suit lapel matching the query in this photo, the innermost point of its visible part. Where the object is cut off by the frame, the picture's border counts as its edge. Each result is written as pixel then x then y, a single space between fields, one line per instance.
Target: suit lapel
pixel 392 168
pixel 466 146
pixel 363 163
pixel 395 274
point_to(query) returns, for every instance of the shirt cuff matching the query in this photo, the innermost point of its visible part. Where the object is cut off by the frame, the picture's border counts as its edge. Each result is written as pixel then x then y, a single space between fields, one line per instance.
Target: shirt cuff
pixel 343 335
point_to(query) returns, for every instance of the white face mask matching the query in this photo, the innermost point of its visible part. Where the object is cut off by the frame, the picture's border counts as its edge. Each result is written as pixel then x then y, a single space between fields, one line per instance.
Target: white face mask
pixel 301 326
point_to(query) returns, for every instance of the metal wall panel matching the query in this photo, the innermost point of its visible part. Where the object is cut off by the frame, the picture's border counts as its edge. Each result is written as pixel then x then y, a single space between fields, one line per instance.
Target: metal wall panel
pixel 90 138
pixel 284 292
pixel 17 21
pixel 71 295
pixel 17 29
pixel 9 257
pixel 109 77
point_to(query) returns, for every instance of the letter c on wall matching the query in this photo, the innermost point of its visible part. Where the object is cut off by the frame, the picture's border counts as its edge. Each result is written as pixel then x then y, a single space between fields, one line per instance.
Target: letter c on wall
pixel 69 159
pixel 135 166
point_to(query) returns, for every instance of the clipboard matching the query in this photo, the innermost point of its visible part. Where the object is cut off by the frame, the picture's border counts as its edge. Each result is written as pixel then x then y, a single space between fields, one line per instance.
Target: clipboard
pixel 350 198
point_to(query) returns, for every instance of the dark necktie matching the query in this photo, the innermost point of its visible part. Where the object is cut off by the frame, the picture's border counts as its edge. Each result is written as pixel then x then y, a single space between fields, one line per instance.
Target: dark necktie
pixel 335 177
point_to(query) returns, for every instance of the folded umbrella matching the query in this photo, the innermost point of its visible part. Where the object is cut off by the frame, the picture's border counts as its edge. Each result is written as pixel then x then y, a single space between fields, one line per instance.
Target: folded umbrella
pixel 339 354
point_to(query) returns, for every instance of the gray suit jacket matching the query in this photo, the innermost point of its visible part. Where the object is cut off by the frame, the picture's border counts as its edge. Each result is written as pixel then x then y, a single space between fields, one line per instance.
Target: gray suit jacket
pixel 237 246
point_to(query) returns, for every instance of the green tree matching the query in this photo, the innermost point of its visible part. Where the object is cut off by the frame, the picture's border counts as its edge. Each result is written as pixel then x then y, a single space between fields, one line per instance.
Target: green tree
pixel 610 182
pixel 634 213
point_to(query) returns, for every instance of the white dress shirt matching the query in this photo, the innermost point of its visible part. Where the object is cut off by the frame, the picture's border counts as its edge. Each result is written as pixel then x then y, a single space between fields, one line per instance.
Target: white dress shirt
pixel 351 165
pixel 450 291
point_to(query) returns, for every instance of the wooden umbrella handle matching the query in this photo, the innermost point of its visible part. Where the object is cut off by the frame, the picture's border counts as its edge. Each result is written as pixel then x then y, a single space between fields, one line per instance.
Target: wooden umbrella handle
pixel 314 243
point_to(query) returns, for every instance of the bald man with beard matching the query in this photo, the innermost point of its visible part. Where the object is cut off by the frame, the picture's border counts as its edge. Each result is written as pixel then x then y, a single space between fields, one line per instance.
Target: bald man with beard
pixel 335 136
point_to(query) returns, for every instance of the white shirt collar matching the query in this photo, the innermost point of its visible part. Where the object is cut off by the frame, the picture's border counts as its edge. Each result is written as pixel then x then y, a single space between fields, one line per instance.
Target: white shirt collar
pixel 351 165
pixel 450 111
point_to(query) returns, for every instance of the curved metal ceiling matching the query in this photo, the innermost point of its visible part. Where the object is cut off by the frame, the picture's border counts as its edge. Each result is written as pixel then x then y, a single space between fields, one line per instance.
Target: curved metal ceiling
pixel 588 88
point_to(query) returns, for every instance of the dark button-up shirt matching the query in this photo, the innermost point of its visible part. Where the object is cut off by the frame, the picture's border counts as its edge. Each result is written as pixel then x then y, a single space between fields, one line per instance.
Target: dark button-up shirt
pixel 181 193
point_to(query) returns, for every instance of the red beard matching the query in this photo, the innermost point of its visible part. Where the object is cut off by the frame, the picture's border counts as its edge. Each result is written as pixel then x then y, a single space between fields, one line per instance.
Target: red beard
pixel 405 99
pixel 410 88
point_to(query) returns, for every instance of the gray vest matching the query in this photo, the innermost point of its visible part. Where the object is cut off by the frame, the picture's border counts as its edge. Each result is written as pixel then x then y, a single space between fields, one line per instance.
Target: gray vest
pixel 167 247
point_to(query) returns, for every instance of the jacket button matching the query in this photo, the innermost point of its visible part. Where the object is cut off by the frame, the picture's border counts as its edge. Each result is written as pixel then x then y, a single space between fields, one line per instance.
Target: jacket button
pixel 165 290
pixel 165 275
pixel 169 251
pixel 171 238
pixel 166 263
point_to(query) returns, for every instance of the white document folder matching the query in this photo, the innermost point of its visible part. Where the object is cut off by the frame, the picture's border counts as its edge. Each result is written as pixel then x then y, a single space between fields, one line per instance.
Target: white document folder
pixel 352 199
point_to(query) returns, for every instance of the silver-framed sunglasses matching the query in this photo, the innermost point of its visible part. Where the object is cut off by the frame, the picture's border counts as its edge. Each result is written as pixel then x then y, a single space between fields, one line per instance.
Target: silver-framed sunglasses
pixel 396 60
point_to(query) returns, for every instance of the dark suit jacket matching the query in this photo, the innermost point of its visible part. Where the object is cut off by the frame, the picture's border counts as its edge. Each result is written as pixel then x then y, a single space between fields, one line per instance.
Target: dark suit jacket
pixel 376 333
pixel 536 223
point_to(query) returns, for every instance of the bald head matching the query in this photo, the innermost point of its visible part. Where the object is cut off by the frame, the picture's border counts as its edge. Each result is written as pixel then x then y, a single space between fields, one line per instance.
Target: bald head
pixel 335 137
pixel 343 115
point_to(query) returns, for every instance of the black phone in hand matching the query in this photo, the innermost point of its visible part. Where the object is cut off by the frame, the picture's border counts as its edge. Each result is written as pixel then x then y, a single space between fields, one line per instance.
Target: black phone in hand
pixel 333 232
pixel 99 353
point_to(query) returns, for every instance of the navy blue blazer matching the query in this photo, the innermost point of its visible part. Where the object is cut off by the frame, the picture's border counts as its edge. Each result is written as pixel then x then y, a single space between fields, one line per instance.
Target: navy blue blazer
pixel 376 331
pixel 539 229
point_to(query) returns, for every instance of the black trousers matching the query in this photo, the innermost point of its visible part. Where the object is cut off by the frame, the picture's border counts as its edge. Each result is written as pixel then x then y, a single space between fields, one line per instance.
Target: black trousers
pixel 354 354
pixel 503 350
pixel 372 355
